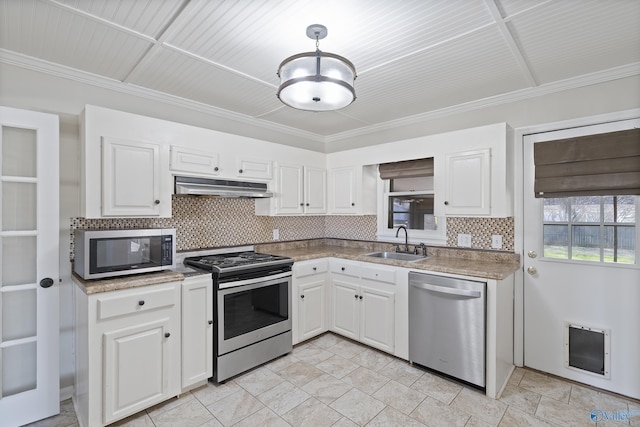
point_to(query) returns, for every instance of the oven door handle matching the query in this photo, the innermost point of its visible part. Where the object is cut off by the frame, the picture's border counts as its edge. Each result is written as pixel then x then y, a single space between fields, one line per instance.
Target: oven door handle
pixel 253 281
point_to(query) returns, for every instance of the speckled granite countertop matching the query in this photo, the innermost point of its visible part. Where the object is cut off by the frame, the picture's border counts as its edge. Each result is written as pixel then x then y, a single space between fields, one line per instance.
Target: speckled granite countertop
pixel 476 263
pixel 90 287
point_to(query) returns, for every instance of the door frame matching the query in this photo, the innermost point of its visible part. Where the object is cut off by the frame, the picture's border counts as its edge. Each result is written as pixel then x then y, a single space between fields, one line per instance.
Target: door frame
pixel 518 159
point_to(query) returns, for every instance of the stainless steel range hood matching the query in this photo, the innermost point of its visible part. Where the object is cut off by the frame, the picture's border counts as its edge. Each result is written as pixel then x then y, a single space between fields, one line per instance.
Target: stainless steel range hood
pixel 220 188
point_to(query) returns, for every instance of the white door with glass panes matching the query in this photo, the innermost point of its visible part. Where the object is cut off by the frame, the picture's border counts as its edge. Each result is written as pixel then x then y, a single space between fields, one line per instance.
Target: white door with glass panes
pixel 29 220
pixel 581 278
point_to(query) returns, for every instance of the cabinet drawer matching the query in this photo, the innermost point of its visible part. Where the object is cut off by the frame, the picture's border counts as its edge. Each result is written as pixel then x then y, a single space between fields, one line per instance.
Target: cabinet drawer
pixel 379 274
pixel 308 268
pixel 189 160
pixel 346 268
pixel 137 302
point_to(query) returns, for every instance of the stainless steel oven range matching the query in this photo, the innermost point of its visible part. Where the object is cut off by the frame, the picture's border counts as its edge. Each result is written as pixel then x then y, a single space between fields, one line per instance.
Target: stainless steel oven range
pixel 252 309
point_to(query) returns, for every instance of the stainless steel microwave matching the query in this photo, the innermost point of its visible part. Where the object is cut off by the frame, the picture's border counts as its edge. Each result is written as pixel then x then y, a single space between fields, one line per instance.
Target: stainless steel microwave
pixel 109 253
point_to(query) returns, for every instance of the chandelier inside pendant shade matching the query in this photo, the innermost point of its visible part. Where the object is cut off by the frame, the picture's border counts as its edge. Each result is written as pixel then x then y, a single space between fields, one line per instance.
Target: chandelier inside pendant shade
pixel 317 81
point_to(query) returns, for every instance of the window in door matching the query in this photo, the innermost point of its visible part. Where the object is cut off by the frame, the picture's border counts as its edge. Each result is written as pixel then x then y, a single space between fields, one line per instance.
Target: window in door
pixel 590 228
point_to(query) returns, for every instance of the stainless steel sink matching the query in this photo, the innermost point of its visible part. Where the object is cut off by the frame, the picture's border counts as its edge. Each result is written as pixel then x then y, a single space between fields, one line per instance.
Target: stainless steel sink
pixel 399 256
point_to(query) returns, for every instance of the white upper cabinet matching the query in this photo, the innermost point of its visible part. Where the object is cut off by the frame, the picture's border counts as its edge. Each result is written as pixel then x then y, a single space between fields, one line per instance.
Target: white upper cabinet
pixel 474 175
pixel 254 168
pixel 352 190
pixel 468 183
pixel 315 190
pixel 192 161
pixel 300 190
pixel 290 190
pixel 132 179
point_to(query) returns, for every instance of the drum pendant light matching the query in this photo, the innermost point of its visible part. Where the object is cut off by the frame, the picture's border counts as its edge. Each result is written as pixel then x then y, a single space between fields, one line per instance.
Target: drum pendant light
pixel 316 81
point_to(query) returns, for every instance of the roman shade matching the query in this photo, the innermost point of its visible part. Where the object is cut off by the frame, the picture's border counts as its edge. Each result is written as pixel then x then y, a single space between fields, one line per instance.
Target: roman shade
pixel 593 165
pixel 407 169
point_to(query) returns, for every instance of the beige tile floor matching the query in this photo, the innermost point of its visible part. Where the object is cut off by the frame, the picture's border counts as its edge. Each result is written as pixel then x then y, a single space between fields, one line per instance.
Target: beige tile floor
pixel 331 381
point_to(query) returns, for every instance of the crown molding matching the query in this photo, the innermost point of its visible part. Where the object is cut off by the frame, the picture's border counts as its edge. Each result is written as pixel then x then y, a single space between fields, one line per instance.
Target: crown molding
pixel 73 74
pixel 616 73
pixel 46 67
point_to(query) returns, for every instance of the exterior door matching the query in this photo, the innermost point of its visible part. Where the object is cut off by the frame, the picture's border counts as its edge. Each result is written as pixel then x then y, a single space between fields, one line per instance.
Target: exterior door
pixel 29 221
pixel 574 279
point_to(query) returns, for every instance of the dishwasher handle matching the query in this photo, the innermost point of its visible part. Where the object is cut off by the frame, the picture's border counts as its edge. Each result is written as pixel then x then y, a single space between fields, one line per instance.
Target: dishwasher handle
pixel 446 290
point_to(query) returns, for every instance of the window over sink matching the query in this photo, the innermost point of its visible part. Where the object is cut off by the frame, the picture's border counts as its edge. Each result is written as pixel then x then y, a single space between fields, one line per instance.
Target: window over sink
pixel 407 196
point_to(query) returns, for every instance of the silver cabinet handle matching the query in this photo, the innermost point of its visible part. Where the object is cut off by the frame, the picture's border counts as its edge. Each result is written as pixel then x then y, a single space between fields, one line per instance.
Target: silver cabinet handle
pixel 445 290
pixel 532 270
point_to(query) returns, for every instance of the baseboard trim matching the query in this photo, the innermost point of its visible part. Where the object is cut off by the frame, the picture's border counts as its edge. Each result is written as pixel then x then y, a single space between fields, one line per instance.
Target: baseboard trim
pixel 66 393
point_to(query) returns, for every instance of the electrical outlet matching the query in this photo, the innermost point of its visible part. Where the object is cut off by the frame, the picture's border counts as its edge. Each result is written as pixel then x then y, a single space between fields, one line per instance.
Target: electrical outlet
pixel 464 240
pixel 276 234
pixel 496 241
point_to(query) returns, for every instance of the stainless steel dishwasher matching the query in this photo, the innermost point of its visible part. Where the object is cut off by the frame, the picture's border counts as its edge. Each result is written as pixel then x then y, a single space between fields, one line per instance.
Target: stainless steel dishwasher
pixel 447 326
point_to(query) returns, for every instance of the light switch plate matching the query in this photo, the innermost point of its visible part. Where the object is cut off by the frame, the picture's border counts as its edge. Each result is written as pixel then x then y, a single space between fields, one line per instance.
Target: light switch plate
pixel 276 234
pixel 464 240
pixel 496 241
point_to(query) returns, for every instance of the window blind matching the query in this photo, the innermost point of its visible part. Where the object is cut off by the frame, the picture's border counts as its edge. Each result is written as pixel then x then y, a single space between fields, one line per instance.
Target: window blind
pixel 407 169
pixel 592 165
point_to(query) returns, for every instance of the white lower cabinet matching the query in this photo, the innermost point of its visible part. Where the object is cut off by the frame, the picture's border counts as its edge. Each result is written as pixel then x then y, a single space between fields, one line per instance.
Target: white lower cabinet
pixel 363 309
pixel 197 330
pixel 310 299
pixel 136 367
pixel 127 351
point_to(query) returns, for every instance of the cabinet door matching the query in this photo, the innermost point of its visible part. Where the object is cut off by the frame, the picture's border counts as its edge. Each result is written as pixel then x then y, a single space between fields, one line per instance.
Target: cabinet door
pixel 135 368
pixel 468 187
pixel 343 190
pixel 311 309
pixel 315 191
pixel 130 178
pixel 194 161
pixel 197 330
pixel 254 168
pixel 345 315
pixel 377 318
pixel 289 194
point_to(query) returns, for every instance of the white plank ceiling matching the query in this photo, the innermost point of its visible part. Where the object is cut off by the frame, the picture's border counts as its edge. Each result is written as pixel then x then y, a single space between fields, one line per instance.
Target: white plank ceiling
pixel 413 57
